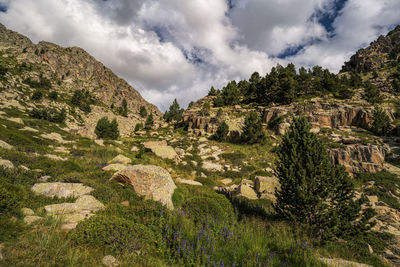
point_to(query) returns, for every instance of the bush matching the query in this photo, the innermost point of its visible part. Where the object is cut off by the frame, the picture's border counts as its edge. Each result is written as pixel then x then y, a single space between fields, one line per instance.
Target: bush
pixel 139 126
pixel 222 132
pixel 117 234
pixel 49 114
pixel 53 95
pixel 37 95
pixel 143 112
pixel 82 99
pixel 106 129
pixel 10 199
pixel 43 83
pixel 381 124
pixel 123 109
pixel 274 124
pixel 201 207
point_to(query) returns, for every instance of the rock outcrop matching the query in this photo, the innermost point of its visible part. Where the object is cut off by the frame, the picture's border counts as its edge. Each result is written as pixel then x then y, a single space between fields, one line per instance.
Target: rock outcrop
pixel 152 182
pixel 359 158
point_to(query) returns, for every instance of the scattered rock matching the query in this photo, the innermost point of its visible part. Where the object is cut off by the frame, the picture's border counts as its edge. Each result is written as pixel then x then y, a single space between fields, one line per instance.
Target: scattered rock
pixel 202 140
pixel 342 263
pixel 100 142
pixel 373 199
pixel 72 213
pixel 17 120
pixel 226 181
pixel 370 249
pixel 202 175
pixel 55 137
pixel 1 252
pixel 29 129
pixel 246 191
pixel 180 151
pixel 264 184
pixel 210 166
pixel 134 149
pixel 194 163
pixel 27 212
pixel 110 261
pixel 5 145
pixel 32 219
pixel 44 178
pixel 6 164
pixel 114 167
pixel 121 159
pixel 150 181
pixel 23 167
pixel 55 157
pixel 125 203
pixel 190 182
pixel 61 189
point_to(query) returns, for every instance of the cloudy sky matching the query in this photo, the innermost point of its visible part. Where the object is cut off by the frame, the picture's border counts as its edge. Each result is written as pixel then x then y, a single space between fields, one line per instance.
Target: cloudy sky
pixel 172 49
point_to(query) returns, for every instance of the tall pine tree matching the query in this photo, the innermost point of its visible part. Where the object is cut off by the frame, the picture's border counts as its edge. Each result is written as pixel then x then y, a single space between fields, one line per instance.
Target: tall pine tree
pixel 314 191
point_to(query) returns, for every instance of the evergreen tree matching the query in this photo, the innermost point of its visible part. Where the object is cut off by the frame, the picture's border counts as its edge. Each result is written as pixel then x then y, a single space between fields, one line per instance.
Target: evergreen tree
pixel 212 91
pixel 143 112
pixel 372 94
pixel 219 101
pixel 205 109
pixel 222 132
pixel 149 122
pixel 174 113
pixel 106 129
pixel 231 94
pixel 123 110
pixel 252 130
pixel 314 191
pixel 381 124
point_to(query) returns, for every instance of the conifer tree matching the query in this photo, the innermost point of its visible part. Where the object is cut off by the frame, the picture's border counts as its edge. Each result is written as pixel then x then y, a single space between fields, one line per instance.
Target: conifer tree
pixel 381 124
pixel 174 113
pixel 252 130
pixel 149 121
pixel 143 112
pixel 222 132
pixel 314 191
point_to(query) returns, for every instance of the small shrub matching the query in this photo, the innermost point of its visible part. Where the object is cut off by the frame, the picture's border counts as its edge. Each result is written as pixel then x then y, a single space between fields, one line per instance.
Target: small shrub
pixel 201 207
pixel 49 114
pixel 106 129
pixel 117 234
pixel 178 197
pixel 82 99
pixel 37 95
pixel 53 95
pixel 10 199
pixel 139 126
pixel 43 83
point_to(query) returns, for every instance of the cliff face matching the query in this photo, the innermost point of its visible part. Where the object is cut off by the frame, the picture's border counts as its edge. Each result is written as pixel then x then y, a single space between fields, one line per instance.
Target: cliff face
pixel 68 69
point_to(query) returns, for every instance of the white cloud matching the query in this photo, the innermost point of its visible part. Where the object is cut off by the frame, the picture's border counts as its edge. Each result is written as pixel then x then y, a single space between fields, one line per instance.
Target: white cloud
pixel 177 49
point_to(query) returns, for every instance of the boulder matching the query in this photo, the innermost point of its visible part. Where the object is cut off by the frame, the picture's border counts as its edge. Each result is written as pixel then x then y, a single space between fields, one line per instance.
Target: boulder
pixel 5 145
pixel 226 181
pixel 17 120
pixel 61 189
pixel 32 219
pixel 342 263
pixel 190 182
pixel 72 213
pixel 210 166
pixel 100 142
pixel 114 167
pixel 161 149
pixel 55 137
pixel 1 252
pixel 134 149
pixel 27 212
pixel 6 164
pixel 109 261
pixel 121 159
pixel 246 191
pixel 180 151
pixel 55 157
pixel 152 182
pixel 264 184
pixel 29 129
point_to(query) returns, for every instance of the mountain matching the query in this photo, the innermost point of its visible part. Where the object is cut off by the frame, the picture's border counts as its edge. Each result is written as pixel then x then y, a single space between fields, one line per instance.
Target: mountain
pixel 68 70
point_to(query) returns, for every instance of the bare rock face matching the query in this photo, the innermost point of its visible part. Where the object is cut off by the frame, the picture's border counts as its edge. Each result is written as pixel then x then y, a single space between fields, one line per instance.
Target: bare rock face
pixel 61 189
pixel 150 181
pixel 359 158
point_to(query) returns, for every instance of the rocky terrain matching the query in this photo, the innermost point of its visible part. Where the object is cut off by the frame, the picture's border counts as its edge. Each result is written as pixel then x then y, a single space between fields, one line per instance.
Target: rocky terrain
pixel 78 200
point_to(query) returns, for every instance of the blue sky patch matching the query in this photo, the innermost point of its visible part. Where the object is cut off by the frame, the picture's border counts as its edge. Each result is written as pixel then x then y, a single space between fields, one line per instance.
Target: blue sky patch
pixel 3 8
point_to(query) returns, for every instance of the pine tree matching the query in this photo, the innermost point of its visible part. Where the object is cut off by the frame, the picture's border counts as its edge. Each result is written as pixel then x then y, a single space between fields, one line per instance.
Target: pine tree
pixel 143 112
pixel 381 124
pixel 212 91
pixel 149 121
pixel 106 129
pixel 174 113
pixel 252 130
pixel 222 132
pixel 314 191
pixel 124 108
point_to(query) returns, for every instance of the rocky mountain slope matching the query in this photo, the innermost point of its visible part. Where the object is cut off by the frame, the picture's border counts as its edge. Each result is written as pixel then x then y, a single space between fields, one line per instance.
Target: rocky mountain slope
pixel 68 70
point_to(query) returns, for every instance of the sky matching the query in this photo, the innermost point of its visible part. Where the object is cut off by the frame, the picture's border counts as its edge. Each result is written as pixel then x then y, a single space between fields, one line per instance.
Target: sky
pixel 169 49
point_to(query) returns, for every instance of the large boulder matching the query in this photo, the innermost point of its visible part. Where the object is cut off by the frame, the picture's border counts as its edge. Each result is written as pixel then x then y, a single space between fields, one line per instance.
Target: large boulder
pixel 121 159
pixel 150 181
pixel 61 189
pixel 5 145
pixel 161 149
pixel 266 185
pixel 6 164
